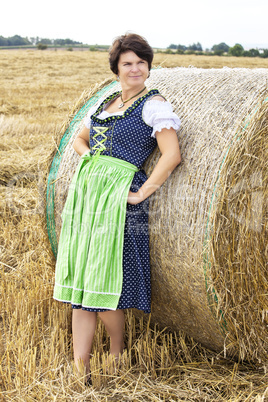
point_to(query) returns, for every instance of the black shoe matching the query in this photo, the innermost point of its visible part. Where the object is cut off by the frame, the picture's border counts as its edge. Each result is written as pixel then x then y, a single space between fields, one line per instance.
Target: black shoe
pixel 88 382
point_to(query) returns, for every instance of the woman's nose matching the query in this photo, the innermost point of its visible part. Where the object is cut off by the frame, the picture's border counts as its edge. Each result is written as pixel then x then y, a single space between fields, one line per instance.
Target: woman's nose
pixel 135 67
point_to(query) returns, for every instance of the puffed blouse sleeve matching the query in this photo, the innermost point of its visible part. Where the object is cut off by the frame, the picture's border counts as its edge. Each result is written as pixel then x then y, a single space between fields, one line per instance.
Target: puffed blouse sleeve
pixel 159 114
pixel 92 110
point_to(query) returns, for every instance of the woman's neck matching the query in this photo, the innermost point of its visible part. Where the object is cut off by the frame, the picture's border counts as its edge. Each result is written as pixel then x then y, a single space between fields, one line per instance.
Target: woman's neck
pixel 133 92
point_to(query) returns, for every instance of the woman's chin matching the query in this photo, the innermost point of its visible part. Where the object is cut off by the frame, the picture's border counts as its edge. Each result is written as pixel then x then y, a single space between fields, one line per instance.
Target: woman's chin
pixel 135 82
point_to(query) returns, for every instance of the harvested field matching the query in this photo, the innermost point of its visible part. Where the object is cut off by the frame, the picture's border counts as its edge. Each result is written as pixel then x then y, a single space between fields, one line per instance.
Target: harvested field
pixel 38 91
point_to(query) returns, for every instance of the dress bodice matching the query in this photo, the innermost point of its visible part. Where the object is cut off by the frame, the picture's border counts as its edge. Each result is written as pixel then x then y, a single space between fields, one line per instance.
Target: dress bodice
pixel 124 136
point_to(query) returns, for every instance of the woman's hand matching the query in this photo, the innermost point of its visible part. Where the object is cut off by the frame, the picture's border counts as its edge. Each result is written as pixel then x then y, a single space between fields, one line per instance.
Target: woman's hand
pixel 134 198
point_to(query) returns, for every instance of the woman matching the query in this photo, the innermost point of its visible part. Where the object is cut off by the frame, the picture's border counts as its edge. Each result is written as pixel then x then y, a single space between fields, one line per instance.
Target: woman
pixel 103 262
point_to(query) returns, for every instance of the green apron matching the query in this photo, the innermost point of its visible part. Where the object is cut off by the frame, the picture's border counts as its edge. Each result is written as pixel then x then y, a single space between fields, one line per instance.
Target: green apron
pixel 89 267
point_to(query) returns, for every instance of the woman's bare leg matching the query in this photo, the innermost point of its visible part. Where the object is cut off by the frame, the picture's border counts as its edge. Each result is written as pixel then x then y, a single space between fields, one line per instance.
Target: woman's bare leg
pixel 114 322
pixel 83 326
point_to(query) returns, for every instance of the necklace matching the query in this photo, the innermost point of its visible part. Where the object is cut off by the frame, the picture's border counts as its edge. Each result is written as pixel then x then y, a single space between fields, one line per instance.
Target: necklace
pixel 123 102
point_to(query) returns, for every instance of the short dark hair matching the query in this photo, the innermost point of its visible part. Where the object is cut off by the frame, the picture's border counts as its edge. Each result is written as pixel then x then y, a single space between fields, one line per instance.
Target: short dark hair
pixel 127 42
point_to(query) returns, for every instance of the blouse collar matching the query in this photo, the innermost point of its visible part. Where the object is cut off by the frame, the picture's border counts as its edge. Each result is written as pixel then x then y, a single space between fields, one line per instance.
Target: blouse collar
pixel 126 112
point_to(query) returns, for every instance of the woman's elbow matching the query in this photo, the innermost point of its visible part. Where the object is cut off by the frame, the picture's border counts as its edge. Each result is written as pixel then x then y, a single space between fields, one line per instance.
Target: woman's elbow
pixel 75 146
pixel 173 159
pixel 78 142
pixel 176 158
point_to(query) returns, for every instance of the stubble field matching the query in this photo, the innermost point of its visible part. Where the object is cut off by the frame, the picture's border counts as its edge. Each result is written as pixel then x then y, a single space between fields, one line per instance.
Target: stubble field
pixel 38 91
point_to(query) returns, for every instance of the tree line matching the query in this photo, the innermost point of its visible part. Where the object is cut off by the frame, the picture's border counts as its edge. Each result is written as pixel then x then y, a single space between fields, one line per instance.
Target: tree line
pixel 196 48
pixel 219 50
pixel 17 40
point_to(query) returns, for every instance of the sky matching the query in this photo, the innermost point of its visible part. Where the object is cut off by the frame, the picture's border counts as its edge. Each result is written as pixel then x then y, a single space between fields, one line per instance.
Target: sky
pixel 161 22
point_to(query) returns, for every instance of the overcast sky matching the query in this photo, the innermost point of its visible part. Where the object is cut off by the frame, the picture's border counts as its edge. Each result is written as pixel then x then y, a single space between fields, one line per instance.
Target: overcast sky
pixel 161 22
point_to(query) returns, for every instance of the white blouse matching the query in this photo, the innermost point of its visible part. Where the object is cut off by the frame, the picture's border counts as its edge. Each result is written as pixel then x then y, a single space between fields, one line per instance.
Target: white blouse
pixel 156 113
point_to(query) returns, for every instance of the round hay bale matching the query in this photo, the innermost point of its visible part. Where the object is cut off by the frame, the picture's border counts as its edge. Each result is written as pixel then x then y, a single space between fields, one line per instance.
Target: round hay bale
pixel 208 221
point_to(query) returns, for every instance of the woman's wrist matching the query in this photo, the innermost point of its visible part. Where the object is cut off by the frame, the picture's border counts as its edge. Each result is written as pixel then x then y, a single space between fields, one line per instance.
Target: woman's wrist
pixel 140 195
pixel 85 152
pixel 146 190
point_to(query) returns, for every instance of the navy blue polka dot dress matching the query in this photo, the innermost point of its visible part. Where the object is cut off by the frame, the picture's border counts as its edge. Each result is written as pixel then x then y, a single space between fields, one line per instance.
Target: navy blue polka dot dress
pixel 129 138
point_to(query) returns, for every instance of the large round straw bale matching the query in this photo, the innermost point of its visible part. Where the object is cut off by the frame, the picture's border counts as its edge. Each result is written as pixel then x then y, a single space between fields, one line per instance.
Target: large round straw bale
pixel 208 222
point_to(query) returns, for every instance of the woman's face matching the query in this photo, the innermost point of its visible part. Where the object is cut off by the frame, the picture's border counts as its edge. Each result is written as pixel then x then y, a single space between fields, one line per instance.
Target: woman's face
pixel 132 70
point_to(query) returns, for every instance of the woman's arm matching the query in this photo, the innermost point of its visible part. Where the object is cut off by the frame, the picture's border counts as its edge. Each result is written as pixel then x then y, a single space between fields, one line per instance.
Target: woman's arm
pixel 81 143
pixel 171 157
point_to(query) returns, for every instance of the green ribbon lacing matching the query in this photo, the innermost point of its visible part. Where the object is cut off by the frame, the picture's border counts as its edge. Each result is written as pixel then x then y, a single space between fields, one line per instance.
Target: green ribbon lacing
pixel 98 148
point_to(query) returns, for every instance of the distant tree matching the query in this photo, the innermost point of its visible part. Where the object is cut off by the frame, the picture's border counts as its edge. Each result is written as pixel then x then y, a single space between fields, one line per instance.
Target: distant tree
pixel 264 53
pixel 59 42
pixel 254 52
pixel 69 41
pixel 3 41
pixel 172 46
pixel 45 41
pixel 41 46
pixel 218 52
pixel 15 40
pixel 220 48
pixel 181 47
pixel 199 47
pixel 191 47
pixel 63 42
pixel 32 40
pixel 180 51
pixel 236 50
pixel 189 51
pixel 195 47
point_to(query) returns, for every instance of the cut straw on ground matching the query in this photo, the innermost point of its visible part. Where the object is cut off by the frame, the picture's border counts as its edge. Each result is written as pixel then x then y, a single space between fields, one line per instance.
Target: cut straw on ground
pixel 159 364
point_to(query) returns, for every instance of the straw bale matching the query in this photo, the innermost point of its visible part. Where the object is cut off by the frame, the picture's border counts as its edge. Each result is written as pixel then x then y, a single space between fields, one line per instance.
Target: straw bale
pixel 207 222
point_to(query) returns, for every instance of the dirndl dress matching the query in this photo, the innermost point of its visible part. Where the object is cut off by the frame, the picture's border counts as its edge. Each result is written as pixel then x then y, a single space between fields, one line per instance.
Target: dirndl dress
pixel 103 260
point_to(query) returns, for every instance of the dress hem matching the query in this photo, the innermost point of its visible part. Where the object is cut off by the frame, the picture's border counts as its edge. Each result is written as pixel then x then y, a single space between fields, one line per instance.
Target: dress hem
pixel 99 310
